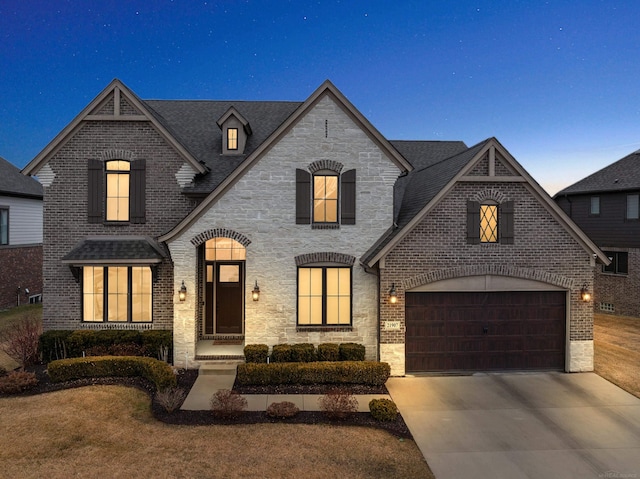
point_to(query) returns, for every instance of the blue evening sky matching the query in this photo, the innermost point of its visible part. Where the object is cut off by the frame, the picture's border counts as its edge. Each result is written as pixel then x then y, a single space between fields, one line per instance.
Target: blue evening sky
pixel 555 81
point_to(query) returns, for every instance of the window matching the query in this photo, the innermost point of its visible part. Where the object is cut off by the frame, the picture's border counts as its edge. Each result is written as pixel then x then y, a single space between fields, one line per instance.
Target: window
pixel 224 249
pixel 324 296
pixel 619 262
pixel 326 198
pixel 633 207
pixel 490 222
pixel 4 226
pixel 117 293
pixel 232 138
pixel 116 191
pixel 595 206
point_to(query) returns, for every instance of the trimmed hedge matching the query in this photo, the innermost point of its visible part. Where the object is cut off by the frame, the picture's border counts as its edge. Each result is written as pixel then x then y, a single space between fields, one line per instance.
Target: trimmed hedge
pixel 158 372
pixel 383 409
pixel 256 353
pixel 303 353
pixel 281 353
pixel 370 373
pixel 328 352
pixel 351 352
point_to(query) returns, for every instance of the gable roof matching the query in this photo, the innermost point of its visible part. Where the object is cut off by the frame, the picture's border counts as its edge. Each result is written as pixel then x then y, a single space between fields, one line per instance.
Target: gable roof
pixel 326 89
pixel 424 188
pixel 623 175
pixel 14 183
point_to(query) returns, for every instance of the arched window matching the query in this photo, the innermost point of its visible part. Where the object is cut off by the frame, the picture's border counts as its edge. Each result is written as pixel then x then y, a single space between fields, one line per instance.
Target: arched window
pixel 224 249
pixel 118 172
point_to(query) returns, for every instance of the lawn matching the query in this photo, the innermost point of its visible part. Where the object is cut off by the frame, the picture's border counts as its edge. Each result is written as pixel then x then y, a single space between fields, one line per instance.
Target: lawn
pixel 617 350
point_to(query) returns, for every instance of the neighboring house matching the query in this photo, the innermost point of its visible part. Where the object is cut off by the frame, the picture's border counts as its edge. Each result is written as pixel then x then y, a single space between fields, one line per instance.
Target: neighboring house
pixel 20 237
pixel 606 205
pixel 274 222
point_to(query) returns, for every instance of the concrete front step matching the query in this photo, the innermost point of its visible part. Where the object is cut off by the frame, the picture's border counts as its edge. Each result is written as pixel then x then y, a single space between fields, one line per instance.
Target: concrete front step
pixel 220 368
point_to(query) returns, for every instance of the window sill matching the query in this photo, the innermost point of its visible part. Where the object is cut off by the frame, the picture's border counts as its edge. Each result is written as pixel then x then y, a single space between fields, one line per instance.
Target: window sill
pixel 323 329
pixel 325 226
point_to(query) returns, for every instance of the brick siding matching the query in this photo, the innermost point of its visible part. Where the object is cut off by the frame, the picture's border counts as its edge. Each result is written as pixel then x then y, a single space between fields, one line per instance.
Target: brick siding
pixel 622 291
pixel 21 267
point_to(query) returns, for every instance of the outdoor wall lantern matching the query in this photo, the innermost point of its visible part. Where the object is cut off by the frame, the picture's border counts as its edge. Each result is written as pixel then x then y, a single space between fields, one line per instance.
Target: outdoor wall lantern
pixel 585 294
pixel 393 296
pixel 182 294
pixel 255 294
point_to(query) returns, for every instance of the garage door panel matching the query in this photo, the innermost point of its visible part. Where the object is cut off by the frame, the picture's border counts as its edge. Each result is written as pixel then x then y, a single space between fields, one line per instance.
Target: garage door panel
pixel 485 330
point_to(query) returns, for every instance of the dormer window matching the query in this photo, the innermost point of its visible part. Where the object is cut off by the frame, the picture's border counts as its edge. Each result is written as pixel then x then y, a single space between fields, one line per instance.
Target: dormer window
pixel 232 138
pixel 235 132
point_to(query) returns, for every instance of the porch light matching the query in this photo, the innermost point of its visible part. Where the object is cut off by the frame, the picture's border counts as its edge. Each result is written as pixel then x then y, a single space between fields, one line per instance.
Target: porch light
pixel 585 294
pixel 255 294
pixel 393 296
pixel 182 294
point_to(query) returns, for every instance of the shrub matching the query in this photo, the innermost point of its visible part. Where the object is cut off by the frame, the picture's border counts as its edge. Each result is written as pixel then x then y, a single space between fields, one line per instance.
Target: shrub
pixel 79 341
pixel 281 353
pixel 338 404
pixel 3 371
pixel 53 345
pixel 120 349
pixel 351 352
pixel 383 409
pixel 282 410
pixel 21 342
pixel 256 353
pixel 158 372
pixel 158 343
pixel 328 352
pixel 303 353
pixel 227 403
pixel 171 398
pixel 370 373
pixel 17 381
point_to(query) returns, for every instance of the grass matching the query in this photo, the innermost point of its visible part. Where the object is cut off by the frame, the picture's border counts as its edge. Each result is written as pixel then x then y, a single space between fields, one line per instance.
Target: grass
pixel 617 350
pixel 108 431
pixel 10 318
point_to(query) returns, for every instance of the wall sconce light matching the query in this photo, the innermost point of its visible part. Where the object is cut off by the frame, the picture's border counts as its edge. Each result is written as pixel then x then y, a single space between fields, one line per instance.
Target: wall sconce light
pixel 393 296
pixel 585 294
pixel 182 294
pixel 255 294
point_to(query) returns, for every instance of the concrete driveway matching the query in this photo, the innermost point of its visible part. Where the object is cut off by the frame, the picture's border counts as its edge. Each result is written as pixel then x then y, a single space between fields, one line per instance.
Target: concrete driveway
pixel 522 425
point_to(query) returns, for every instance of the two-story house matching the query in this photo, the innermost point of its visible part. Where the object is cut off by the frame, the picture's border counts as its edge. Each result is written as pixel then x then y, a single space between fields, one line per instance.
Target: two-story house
pixel 273 222
pixel 606 205
pixel 20 237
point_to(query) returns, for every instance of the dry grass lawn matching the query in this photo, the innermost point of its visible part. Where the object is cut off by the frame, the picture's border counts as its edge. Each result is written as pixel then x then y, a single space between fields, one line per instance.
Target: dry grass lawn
pixel 108 431
pixel 617 350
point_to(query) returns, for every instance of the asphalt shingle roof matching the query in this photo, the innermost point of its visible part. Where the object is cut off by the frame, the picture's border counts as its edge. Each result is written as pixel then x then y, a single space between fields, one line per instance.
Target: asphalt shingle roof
pixel 115 249
pixel 14 183
pixel 622 175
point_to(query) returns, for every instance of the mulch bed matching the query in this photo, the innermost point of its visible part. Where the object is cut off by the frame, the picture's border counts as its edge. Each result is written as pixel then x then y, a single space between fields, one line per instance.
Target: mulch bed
pixel 186 378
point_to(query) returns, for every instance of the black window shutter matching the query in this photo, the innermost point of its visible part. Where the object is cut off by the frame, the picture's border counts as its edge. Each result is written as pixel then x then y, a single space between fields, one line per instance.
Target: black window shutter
pixel 473 222
pixel 95 191
pixel 303 197
pixel 137 194
pixel 506 222
pixel 348 197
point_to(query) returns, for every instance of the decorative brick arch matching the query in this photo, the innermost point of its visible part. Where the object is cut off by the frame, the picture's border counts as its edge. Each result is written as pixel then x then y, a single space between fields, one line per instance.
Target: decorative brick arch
pixel 490 195
pixel 117 154
pixel 325 257
pixel 497 270
pixel 203 237
pixel 325 165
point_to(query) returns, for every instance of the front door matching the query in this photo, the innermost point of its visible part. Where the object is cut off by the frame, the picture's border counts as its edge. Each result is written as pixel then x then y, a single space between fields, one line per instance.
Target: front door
pixel 224 302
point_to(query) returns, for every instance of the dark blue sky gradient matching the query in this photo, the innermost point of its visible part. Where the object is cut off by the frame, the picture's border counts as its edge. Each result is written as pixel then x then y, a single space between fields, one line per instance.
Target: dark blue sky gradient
pixel 555 81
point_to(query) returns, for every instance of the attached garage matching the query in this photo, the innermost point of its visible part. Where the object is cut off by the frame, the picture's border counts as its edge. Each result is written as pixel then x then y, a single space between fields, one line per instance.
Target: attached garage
pixel 485 330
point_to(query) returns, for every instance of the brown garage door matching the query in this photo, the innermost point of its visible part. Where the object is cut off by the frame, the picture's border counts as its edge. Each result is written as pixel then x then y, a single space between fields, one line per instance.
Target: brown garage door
pixel 483 331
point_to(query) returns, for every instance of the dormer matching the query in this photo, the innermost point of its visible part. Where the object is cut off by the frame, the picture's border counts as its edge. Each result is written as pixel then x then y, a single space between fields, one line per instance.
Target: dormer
pixel 235 130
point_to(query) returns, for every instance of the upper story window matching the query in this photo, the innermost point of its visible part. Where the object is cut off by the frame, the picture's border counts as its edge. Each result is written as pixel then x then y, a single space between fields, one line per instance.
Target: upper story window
pixel 116 191
pixel 118 172
pixel 633 207
pixel 594 209
pixel 232 138
pixel 619 262
pixel 490 222
pixel 326 198
pixel 4 226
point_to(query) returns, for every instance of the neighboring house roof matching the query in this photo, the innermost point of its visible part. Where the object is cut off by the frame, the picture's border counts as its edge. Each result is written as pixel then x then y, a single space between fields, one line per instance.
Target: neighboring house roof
pixel 622 175
pixel 115 250
pixel 14 183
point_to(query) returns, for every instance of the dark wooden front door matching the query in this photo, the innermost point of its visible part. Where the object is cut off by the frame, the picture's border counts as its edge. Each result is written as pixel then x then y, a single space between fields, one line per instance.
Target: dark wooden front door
pixel 478 331
pixel 224 297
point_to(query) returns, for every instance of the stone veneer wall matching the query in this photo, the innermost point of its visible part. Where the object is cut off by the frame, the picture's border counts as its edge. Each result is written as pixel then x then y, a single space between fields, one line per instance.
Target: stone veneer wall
pixel 22 268
pixel 261 207
pixel 621 291
pixel 437 249
pixel 65 215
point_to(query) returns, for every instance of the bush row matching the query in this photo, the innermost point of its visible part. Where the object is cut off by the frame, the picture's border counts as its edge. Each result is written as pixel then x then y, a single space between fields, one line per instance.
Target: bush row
pixel 304 353
pixel 72 344
pixel 156 371
pixel 371 373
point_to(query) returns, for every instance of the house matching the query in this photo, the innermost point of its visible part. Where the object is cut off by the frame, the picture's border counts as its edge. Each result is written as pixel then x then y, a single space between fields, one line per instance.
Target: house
pixel 20 237
pixel 606 205
pixel 273 222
